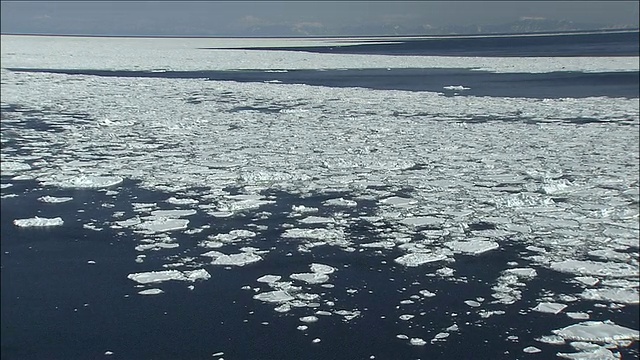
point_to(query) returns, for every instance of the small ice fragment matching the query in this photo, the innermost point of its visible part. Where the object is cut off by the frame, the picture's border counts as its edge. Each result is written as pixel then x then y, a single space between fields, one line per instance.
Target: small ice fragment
pixel 309 319
pixel 91 262
pixel 417 342
pixel 531 350
pixel 277 296
pixel 456 87
pixel 310 278
pixel 302 327
pixel 453 327
pixel 173 200
pixel 426 293
pixel 340 202
pixel 402 337
pixel 406 317
pixel 472 247
pixel 54 200
pixel 548 307
pixel 156 276
pixel 219 353
pixel 269 279
pixel 239 259
pixel 150 292
pixel 38 222
pixel 316 340
pixel 472 303
pixel 588 280
pixel 578 315
pixel 422 221
pixel 442 335
pixel 322 269
pixel 597 331
pixel 108 352
pixel 417 259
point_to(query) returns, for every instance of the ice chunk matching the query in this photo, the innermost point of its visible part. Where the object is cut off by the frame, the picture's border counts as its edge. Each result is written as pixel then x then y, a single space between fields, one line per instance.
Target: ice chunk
pixel 473 247
pixel 320 234
pixel 595 268
pixel 472 303
pixel 548 307
pixel 422 221
pixel 157 276
pixel 199 274
pixel 86 182
pixel 11 166
pixel 456 87
pixel 427 293
pixel 597 331
pixel 239 259
pixel 417 259
pixel 417 342
pixel 523 272
pixel 340 202
pixel 163 225
pixel 587 280
pixel 309 319
pixel 303 209
pixel 276 296
pixel 406 317
pixel 316 220
pixel 588 351
pixel 311 278
pixel 398 201
pixel 618 295
pixel 54 200
pixel 154 291
pixel 531 350
pixel 173 200
pixel 578 315
pixel 322 269
pixel 269 279
pixel 38 222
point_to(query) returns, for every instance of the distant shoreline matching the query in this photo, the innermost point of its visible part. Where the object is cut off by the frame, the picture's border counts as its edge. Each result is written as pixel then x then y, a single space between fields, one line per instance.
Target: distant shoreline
pixel 414 36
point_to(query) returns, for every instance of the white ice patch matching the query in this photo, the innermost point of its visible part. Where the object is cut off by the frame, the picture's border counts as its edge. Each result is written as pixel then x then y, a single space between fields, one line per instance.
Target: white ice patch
pixel 456 87
pixel 417 342
pixel 417 259
pixel 154 291
pixel 316 220
pixel 597 331
pixel 158 225
pixel 173 200
pixel 84 181
pixel 276 296
pixel 340 202
pixel 422 221
pixel 239 259
pixel 617 295
pixel 472 247
pixel 398 201
pixel 54 200
pixel 38 222
pixel 548 307
pixel 167 275
pixel 322 269
pixel 172 213
pixel 269 279
pixel 595 268
pixel 11 166
pixel 531 350
pixel 310 278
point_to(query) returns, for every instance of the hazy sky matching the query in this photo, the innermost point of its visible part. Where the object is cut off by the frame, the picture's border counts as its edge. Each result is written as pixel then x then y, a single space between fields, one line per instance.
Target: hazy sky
pixel 233 17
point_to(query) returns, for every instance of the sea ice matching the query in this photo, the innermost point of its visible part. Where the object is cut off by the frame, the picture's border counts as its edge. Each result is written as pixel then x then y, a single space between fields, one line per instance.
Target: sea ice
pixel 422 221
pixel 473 247
pixel 309 319
pixel 398 201
pixel 531 350
pixel 54 200
pixel 618 295
pixel 269 279
pixel 597 331
pixel 85 181
pixel 173 200
pixel 316 220
pixel 163 225
pixel 239 259
pixel 595 268
pixel 322 269
pixel 38 222
pixel 154 291
pixel 276 296
pixel 587 280
pixel 157 276
pixel 417 259
pixel 551 308
pixel 456 87
pixel 310 278
pixel 339 202
pixel 172 213
pixel 417 342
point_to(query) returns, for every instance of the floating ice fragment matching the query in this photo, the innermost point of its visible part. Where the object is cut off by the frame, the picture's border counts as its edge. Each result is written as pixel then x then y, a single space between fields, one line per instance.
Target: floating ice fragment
pixel 597 331
pixel 340 202
pixel 309 319
pixel 406 317
pixel 303 209
pixel 316 340
pixel 473 247
pixel 402 337
pixel 596 268
pixel 163 225
pixel 426 293
pixel 618 295
pixel 199 274
pixel 316 220
pixel 531 350
pixel 239 259
pixel 523 272
pixel 551 308
pixel 302 327
pixel 417 342
pixel 456 87
pixel 587 280
pixel 590 353
pixel 472 303
pixel 322 269
pixel 86 182
pixel 310 278
pixel 38 222
pixel 398 201
pixel 417 259
pixel 422 221
pixel 54 200
pixel 11 166
pixel 276 296
pixel 156 276
pixel 578 315
pixel 269 279
pixel 442 335
pixel 173 200
pixel 154 291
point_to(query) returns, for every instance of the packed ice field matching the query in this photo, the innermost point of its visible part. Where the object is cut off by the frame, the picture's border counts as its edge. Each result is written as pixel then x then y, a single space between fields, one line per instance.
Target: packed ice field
pixel 442 177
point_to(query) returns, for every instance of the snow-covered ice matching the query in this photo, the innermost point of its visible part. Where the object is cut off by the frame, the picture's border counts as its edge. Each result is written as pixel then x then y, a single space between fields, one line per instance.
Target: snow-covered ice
pixel 38 222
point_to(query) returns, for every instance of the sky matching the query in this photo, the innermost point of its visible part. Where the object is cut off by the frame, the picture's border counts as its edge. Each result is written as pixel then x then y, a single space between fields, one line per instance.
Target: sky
pixel 229 18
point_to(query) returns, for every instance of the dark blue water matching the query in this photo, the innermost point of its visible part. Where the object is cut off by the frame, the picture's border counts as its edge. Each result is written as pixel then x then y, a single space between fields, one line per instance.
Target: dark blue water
pixel 599 44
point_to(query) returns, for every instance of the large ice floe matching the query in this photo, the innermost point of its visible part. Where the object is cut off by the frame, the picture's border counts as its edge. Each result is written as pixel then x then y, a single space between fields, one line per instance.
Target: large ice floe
pixel 254 175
